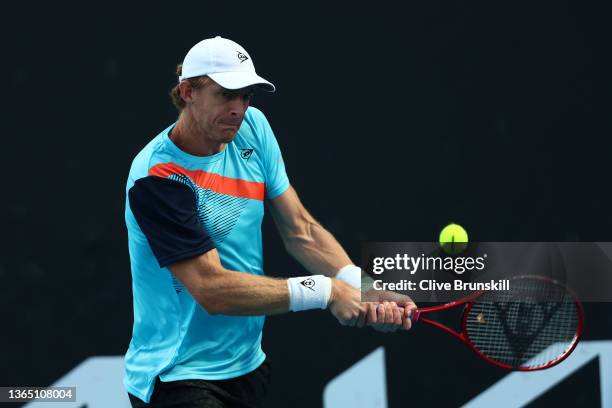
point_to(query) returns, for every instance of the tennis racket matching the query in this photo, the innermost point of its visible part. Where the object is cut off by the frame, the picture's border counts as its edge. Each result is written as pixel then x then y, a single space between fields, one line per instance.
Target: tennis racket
pixel 533 326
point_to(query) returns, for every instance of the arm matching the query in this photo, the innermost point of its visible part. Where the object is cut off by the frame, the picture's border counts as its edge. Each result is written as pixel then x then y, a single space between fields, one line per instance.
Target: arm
pixel 222 291
pixel 318 251
pixel 304 238
pixel 166 213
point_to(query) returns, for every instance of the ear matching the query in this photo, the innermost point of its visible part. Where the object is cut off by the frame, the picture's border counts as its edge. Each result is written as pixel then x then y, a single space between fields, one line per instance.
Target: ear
pixel 186 91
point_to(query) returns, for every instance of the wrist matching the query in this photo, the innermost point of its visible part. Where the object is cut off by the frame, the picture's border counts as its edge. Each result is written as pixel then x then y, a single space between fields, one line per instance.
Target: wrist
pixel 309 292
pixel 350 274
pixel 334 292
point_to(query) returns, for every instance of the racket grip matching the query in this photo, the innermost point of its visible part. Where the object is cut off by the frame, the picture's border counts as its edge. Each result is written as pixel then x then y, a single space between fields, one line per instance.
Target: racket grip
pixel 414 316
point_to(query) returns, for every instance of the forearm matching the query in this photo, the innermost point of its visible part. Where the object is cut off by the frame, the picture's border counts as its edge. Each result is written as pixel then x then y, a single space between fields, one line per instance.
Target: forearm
pixel 240 293
pixel 319 252
pixel 316 249
pixel 304 238
pixel 223 291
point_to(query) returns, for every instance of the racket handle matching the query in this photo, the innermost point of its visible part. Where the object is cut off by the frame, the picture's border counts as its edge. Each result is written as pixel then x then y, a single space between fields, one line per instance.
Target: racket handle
pixel 414 316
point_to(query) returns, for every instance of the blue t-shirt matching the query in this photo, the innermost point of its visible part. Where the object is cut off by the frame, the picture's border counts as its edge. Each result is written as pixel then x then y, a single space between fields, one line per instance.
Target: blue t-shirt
pixel 179 206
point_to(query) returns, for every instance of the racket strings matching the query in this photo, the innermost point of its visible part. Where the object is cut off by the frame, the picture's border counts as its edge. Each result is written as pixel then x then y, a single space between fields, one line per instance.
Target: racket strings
pixel 531 325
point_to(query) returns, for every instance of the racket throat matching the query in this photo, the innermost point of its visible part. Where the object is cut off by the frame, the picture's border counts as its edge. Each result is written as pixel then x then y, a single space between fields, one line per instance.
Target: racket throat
pixel 460 336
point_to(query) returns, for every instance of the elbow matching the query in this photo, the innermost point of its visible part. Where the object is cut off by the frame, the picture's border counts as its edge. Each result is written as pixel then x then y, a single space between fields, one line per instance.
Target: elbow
pixel 215 306
pixel 211 307
pixel 212 301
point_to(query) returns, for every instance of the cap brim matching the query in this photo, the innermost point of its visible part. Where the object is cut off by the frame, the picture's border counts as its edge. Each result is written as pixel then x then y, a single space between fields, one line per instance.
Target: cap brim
pixel 237 80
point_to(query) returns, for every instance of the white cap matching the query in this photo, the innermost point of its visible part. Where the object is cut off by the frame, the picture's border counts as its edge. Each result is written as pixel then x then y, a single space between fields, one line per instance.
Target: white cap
pixel 225 62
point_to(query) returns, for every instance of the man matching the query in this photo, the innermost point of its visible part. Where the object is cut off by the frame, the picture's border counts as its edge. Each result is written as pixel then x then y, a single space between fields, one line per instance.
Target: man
pixel 194 208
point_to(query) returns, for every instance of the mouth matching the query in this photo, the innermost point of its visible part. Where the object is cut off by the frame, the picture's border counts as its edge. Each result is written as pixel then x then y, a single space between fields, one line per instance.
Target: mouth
pixel 232 123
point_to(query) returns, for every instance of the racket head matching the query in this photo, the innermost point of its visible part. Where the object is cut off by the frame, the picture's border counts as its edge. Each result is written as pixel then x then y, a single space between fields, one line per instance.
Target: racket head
pixel 534 326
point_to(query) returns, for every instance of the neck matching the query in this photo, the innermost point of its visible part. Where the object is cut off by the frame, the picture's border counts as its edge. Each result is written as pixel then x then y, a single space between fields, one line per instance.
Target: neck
pixel 190 138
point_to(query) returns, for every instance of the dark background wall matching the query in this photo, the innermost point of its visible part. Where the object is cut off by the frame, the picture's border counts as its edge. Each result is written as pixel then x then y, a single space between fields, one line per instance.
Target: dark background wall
pixel 392 121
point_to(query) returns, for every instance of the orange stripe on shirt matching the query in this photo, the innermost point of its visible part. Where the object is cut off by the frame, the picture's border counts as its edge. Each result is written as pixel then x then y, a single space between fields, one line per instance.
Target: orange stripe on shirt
pixel 211 181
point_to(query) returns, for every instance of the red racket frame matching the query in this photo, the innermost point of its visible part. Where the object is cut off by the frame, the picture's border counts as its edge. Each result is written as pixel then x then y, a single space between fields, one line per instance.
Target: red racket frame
pixel 461 335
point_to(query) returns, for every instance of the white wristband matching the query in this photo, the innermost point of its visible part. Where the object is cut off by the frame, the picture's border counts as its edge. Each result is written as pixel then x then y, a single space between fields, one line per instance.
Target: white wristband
pixel 350 274
pixel 309 292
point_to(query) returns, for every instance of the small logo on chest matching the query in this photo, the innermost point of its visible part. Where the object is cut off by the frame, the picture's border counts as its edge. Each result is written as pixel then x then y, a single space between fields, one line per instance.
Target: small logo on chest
pixel 246 153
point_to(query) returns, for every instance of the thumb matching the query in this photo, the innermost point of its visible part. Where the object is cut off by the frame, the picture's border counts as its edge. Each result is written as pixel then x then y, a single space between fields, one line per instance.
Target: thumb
pixel 395 297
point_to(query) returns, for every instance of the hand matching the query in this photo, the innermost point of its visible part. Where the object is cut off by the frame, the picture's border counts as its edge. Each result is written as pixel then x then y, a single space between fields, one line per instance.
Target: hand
pixel 345 303
pixel 389 311
pixel 388 317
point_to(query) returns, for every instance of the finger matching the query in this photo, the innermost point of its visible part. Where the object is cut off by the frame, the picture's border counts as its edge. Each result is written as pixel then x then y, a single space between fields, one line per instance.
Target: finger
pixel 397 320
pixel 380 310
pixel 388 322
pixel 380 317
pixel 411 309
pixel 406 320
pixel 408 304
pixel 372 313
pixel 408 309
pixel 391 296
pixel 397 316
pixel 388 313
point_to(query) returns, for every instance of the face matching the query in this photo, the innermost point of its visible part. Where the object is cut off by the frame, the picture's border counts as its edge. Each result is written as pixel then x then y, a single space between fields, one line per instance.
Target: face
pixel 218 112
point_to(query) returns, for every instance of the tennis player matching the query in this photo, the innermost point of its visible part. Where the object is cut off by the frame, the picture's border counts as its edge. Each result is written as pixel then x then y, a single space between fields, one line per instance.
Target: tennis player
pixel 195 203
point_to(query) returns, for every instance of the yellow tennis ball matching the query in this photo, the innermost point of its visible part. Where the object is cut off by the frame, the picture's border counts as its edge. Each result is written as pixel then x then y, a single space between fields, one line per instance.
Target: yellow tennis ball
pixel 453 238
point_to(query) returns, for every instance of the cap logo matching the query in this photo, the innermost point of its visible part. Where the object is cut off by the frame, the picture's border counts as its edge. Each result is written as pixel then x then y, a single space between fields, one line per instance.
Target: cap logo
pixel 242 57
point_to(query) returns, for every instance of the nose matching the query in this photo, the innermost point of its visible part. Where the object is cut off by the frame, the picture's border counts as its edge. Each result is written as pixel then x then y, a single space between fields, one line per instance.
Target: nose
pixel 238 105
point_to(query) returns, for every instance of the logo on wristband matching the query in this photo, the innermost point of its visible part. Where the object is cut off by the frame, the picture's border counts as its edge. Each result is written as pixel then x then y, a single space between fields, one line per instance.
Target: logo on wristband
pixel 309 283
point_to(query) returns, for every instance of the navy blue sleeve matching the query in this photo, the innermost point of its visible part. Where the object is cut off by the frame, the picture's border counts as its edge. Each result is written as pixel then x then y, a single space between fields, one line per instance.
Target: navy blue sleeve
pixel 167 215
